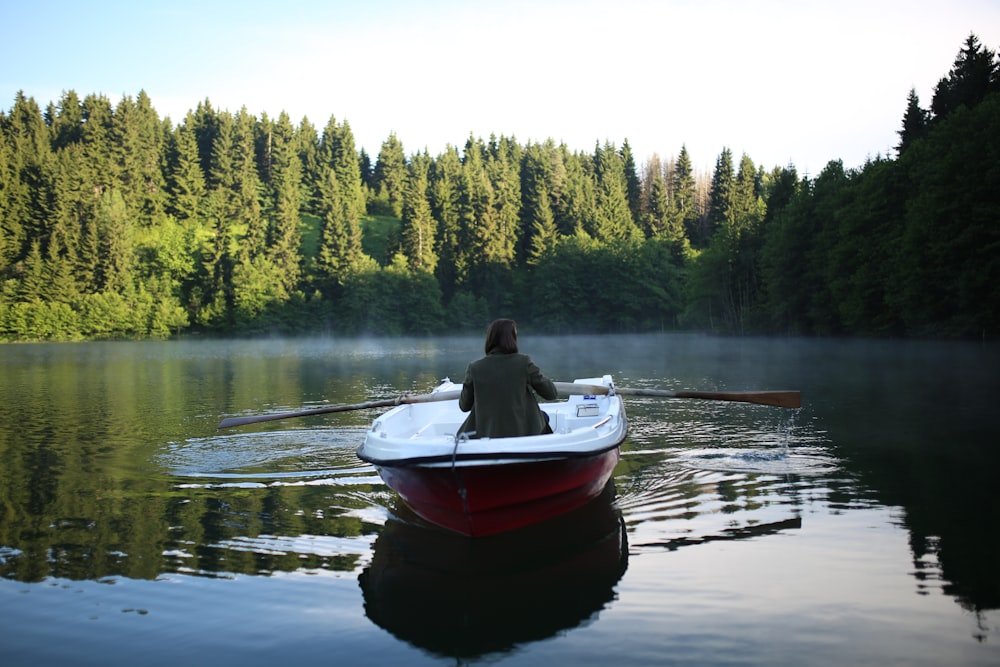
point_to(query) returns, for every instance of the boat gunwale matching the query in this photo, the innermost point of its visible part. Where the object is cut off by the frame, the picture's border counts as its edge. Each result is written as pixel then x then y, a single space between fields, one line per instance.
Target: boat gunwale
pixel 505 457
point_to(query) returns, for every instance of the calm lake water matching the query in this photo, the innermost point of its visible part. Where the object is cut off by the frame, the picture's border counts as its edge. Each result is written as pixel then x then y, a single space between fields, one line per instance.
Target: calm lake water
pixel 861 529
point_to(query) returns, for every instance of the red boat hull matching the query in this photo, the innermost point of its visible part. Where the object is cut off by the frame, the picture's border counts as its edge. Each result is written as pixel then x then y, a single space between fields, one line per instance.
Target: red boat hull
pixel 479 500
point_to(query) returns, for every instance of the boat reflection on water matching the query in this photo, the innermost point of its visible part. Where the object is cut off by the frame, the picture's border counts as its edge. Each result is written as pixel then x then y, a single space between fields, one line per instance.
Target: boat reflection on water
pixel 461 597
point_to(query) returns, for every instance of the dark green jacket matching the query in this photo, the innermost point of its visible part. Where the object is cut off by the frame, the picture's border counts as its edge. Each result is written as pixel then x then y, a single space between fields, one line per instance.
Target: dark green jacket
pixel 499 390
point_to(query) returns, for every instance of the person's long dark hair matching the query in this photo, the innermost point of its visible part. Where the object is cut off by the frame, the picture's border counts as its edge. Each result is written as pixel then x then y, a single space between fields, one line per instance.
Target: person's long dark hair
pixel 501 336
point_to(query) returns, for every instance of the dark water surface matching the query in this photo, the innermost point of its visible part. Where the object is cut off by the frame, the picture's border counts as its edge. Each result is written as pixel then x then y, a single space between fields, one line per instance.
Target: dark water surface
pixel 861 529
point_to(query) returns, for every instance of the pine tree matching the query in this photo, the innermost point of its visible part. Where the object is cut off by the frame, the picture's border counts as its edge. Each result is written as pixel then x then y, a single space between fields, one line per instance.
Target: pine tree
pixel 658 218
pixel 29 157
pixel 342 205
pixel 540 232
pixel 477 222
pixel 219 258
pixel 99 158
pixel 445 175
pixel 61 286
pixel 33 285
pixel 684 196
pixel 915 122
pixel 348 169
pixel 367 171
pixel 632 185
pixel 389 178
pixel 576 211
pixel 721 197
pixel 246 188
pixel 136 137
pixel 613 216
pixel 73 207
pixel 153 140
pixel 8 233
pixel 187 182
pixel 747 202
pixel 335 239
pixel 206 123
pixel 116 237
pixel 285 186
pixel 308 146
pixel 419 228
pixel 780 188
pixel 124 143
pixel 974 74
pixel 544 234
pixel 67 126
pixel 554 172
pixel 14 201
pixel 503 169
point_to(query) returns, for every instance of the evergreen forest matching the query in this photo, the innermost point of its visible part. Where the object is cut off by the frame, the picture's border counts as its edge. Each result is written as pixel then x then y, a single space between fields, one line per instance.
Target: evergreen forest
pixel 115 223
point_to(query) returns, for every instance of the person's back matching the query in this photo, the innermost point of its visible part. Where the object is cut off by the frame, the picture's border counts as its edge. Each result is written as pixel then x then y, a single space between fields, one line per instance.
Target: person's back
pixel 499 389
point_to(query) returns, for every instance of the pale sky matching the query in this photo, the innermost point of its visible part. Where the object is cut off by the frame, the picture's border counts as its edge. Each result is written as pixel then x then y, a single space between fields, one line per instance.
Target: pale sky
pixel 784 81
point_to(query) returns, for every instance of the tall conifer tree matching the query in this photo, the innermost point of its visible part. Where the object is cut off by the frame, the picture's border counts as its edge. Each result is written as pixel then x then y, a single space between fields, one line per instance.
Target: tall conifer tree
pixel 102 168
pixel 29 158
pixel 577 209
pixel 286 179
pixel 246 188
pixel 206 126
pixel 219 258
pixel 503 168
pixel 187 182
pixel 974 74
pixel 915 122
pixel 721 195
pixel 632 185
pixel 419 228
pixel 540 232
pixel 684 195
pixel 342 205
pixel 308 146
pixel 613 216
pixel 445 175
pixel 390 175
pixel 67 126
pixel 657 217
pixel 477 221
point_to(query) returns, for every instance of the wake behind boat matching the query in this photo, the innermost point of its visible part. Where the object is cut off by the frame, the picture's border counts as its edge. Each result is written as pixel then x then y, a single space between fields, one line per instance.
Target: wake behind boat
pixel 483 486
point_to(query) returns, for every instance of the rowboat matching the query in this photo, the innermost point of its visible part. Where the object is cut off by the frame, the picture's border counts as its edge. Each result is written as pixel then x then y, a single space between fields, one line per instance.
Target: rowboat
pixel 484 486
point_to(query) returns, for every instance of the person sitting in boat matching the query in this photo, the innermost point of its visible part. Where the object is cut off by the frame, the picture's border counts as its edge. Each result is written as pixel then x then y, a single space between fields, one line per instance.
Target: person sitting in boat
pixel 499 391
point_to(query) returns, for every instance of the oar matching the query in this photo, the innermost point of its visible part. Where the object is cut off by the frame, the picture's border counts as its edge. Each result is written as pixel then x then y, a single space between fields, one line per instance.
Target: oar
pixel 781 399
pixel 421 398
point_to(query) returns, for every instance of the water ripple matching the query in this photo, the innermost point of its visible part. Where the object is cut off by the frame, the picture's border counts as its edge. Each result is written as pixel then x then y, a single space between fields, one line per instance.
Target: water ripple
pixel 671 504
pixel 275 456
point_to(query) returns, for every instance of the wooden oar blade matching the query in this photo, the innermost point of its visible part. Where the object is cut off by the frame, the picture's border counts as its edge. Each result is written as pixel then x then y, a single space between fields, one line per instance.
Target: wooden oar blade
pixel 780 399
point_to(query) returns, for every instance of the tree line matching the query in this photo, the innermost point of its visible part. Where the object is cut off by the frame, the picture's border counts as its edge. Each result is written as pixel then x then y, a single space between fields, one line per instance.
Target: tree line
pixel 117 223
